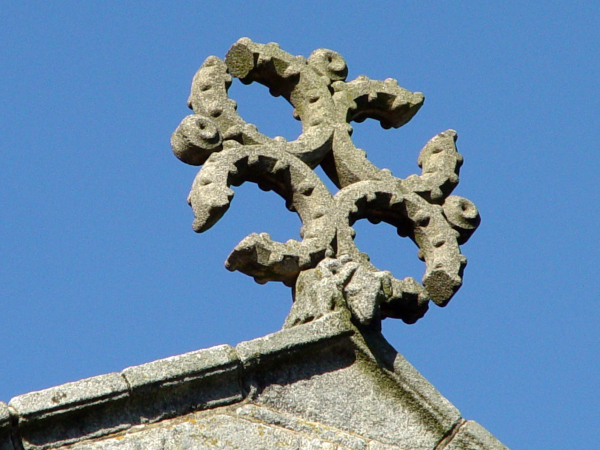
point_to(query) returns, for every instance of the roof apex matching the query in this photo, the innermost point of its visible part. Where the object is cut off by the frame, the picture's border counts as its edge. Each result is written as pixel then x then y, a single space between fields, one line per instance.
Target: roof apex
pixel 327 372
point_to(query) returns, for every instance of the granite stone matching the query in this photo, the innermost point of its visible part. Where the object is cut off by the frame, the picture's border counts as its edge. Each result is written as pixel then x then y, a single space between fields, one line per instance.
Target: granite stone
pixel 472 436
pixel 217 430
pixel 288 342
pixel 342 387
pixel 5 428
pixel 327 383
pixel 328 379
pixel 233 152
pixel 181 384
pixel 87 408
pixel 294 423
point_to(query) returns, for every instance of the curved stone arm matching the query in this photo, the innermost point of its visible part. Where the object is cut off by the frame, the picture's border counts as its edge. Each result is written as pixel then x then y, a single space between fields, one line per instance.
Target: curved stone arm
pixel 424 223
pixel 296 79
pixel 356 101
pixel 257 255
pixel 208 98
pixel 440 163
pixel 384 101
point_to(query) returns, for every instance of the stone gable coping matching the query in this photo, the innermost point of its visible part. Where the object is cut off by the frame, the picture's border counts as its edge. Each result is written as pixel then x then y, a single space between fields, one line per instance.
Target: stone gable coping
pixel 180 384
pixel 196 364
pixel 83 411
pixel 438 410
pixel 85 393
pixel 91 407
pixel 109 403
pixel 473 436
pixel 5 427
pixel 293 340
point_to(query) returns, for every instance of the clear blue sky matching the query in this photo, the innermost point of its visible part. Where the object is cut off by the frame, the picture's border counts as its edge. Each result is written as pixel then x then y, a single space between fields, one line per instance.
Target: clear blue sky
pixel 99 266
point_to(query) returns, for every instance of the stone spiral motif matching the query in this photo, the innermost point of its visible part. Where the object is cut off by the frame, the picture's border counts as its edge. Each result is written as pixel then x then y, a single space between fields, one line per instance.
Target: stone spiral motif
pixel 326 269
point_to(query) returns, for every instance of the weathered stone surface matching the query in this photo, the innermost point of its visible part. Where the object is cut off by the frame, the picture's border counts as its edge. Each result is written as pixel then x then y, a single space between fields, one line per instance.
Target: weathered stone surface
pixel 286 343
pixel 5 428
pixel 328 379
pixel 181 384
pixel 359 385
pixel 272 417
pixel 472 436
pixel 217 430
pixel 322 384
pixel 342 387
pixel 375 445
pixel 87 408
pixel 431 404
pixel 420 206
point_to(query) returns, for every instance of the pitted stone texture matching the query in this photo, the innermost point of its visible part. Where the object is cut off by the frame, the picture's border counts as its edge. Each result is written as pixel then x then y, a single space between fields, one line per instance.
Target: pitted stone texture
pixel 5 428
pixel 248 427
pixel 361 387
pixel 321 333
pixel 87 408
pixel 272 417
pixel 175 368
pixel 352 400
pixel 322 384
pixel 375 445
pixel 344 386
pixel 472 436
pixel 217 430
pixel 181 384
pixel 233 152
pixel 407 379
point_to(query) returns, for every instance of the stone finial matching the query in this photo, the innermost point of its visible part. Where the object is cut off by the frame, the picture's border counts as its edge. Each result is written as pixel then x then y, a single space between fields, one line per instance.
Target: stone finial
pixel 325 269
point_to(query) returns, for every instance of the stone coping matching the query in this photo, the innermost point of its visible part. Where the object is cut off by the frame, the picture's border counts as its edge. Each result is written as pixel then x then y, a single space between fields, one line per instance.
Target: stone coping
pixel 153 391
pixel 171 387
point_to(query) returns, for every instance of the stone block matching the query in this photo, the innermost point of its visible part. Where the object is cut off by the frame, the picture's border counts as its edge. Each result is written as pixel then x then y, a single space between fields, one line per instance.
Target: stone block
pixel 302 338
pixel 88 408
pixel 299 425
pixel 376 445
pixel 472 436
pixel 361 388
pixel 181 384
pixel 198 431
pixel 435 409
pixel 5 428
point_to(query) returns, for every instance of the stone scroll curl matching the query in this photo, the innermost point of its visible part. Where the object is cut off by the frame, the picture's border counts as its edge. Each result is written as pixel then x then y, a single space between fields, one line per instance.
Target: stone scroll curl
pixel 325 269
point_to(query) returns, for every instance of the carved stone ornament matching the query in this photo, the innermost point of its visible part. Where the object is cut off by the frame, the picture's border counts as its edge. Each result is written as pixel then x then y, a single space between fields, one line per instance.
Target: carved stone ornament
pixel 326 271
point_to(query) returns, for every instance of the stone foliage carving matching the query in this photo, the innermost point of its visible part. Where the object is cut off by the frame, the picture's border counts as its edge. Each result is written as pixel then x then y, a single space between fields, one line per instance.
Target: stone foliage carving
pixel 325 268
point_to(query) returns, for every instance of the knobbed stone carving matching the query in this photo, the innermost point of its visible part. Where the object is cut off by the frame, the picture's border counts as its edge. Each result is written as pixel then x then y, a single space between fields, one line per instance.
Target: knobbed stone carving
pixel 326 271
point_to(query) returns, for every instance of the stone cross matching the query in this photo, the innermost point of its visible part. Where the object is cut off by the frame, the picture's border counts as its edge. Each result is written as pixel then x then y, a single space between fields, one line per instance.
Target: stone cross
pixel 326 271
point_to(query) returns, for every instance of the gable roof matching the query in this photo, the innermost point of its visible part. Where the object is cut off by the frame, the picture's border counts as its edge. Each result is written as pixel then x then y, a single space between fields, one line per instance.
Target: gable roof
pixel 324 384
